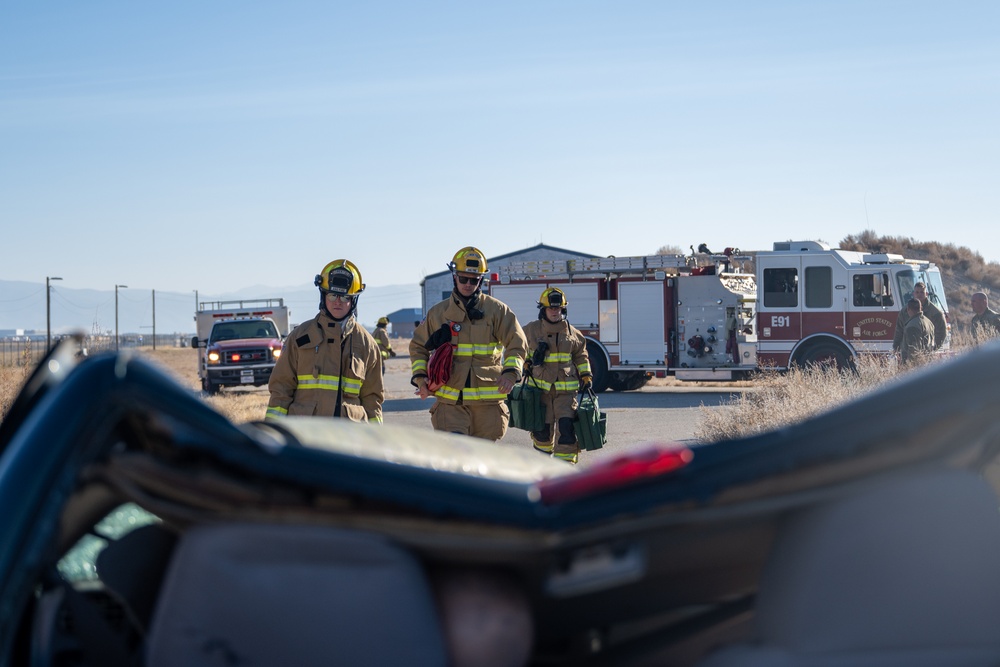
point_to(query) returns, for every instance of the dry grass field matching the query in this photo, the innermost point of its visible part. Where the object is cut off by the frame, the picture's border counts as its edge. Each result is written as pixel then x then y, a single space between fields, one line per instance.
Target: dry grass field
pixel 777 399
pixel 240 405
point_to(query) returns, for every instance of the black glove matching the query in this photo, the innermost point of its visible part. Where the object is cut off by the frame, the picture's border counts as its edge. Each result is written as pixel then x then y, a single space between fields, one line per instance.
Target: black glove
pixel 539 356
pixel 439 338
pixel 392 353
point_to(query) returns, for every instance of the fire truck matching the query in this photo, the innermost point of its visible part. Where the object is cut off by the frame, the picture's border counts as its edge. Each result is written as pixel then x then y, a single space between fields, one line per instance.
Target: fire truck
pixel 240 341
pixel 817 304
pixel 710 317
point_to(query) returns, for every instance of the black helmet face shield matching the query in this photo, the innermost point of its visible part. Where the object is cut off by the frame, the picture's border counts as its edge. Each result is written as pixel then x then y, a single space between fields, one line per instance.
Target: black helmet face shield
pixel 340 281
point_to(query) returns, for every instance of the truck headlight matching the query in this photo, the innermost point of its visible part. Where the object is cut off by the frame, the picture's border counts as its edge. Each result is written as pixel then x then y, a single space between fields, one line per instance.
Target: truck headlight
pixel 213 357
pixel 276 352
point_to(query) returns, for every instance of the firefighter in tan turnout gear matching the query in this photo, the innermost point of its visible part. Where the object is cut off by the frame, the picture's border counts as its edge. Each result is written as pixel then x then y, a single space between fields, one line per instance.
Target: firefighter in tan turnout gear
pixel 330 366
pixel 382 338
pixel 482 350
pixel 559 366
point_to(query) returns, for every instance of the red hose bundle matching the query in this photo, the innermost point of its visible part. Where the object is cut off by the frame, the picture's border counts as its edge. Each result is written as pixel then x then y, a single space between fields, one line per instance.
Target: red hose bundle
pixel 439 367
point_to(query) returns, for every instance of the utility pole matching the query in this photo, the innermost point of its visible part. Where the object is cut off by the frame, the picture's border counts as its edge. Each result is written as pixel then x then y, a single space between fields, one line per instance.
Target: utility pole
pixel 48 314
pixel 154 320
pixel 116 313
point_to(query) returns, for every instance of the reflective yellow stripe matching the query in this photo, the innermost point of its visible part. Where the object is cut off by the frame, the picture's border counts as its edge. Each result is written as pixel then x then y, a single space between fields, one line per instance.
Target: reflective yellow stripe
pixel 418 365
pixel 558 356
pixel 470 393
pixel 328 382
pixel 375 420
pixel 541 384
pixel 562 385
pixel 512 362
pixel 568 385
pixel 474 349
pixel 584 368
pixel 488 394
pixel 447 392
pixel 275 413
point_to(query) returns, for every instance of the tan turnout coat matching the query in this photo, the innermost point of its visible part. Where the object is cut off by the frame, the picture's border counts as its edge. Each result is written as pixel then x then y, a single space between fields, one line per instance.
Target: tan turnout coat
pixel 485 349
pixel 321 360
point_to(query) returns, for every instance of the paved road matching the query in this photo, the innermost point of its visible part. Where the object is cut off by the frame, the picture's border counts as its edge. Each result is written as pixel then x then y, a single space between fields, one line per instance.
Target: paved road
pixel 652 414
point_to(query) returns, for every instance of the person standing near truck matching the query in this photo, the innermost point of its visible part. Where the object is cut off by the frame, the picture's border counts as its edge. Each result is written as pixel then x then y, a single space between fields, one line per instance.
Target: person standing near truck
pixel 484 360
pixel 985 322
pixel 330 366
pixel 560 367
pixel 928 310
pixel 918 335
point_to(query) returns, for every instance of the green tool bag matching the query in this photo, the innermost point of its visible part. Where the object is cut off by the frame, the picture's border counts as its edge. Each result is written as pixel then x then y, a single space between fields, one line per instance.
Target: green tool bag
pixel 526 409
pixel 591 425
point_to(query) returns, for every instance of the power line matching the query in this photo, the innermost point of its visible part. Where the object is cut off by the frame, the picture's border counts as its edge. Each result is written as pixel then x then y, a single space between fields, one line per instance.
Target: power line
pixel 23 298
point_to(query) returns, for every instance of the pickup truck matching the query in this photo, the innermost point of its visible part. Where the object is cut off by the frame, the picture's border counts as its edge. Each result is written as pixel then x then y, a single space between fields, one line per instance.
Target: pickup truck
pixel 240 340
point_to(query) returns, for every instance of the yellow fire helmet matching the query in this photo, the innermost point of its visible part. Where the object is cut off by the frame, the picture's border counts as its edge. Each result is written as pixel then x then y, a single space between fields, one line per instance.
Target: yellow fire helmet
pixel 382 321
pixel 469 260
pixel 553 297
pixel 340 277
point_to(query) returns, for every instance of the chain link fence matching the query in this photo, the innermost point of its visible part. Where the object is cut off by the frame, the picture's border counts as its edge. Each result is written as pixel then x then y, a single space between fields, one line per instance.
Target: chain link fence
pixel 27 350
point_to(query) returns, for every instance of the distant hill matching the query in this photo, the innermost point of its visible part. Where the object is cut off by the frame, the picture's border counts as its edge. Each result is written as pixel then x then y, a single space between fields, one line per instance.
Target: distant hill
pixel 964 271
pixel 22 306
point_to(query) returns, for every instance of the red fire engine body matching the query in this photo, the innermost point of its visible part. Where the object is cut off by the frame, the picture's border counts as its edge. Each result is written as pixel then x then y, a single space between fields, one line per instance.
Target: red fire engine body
pixel 705 317
pixel 816 304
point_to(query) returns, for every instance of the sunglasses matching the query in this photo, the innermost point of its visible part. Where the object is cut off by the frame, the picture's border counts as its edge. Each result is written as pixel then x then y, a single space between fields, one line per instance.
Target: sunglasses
pixel 468 281
pixel 339 297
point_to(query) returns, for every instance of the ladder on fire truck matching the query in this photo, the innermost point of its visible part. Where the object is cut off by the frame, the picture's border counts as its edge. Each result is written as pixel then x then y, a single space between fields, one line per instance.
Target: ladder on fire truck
pixel 649 264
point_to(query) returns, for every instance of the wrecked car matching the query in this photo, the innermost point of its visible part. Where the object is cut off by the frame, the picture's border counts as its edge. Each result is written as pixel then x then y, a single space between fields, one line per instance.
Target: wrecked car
pixel 140 527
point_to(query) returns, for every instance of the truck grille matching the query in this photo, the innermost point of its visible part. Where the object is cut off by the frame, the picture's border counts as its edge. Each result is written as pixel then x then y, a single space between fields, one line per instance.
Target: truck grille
pixel 250 355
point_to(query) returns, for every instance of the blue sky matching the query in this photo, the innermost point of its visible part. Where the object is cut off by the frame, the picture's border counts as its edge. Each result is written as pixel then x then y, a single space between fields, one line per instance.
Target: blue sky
pixel 211 145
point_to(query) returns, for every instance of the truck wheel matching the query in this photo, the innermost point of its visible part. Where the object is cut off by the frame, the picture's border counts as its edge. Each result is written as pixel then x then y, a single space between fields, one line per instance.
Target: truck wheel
pixel 826 354
pixel 209 387
pixel 628 380
pixel 598 366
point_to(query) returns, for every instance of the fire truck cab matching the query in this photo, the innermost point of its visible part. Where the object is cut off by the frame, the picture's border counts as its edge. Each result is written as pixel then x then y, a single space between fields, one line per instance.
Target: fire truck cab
pixel 821 305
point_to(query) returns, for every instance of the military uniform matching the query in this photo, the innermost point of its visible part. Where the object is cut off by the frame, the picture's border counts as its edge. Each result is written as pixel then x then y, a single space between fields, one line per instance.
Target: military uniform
pixel 565 362
pixel 486 346
pixel 932 313
pixel 918 338
pixel 989 321
pixel 328 368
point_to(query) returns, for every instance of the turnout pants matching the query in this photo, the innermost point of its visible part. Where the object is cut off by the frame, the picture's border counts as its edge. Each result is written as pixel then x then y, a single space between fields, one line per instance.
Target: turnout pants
pixel 560 410
pixel 480 419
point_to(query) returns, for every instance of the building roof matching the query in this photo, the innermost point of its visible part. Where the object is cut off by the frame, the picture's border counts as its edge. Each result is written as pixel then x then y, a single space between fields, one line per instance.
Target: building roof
pixel 499 258
pixel 406 315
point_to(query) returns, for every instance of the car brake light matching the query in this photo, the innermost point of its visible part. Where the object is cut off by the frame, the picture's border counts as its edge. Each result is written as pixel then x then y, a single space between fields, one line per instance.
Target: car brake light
pixel 618 472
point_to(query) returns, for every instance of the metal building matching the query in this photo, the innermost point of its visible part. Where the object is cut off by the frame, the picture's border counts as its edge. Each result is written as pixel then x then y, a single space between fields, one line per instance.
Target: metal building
pixel 437 286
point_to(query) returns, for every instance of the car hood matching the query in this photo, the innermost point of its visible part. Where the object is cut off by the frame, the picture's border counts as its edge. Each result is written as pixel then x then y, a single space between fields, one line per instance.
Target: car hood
pixel 454 476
